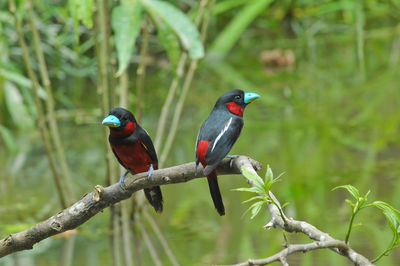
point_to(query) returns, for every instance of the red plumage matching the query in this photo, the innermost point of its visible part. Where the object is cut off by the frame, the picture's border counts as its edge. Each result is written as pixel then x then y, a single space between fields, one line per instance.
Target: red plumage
pixel 134 150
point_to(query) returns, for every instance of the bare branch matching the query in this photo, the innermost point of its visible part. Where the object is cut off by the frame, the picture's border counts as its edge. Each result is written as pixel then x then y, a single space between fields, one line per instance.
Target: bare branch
pixel 92 203
pixel 282 255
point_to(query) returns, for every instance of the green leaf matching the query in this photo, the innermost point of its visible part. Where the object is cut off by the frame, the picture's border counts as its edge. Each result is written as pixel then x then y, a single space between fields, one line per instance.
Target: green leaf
pixel 352 190
pixel 223 6
pixel 253 177
pixel 125 21
pixel 81 10
pixel 390 214
pixel 16 107
pixel 250 189
pixel 169 41
pixel 393 219
pixel 255 208
pixel 253 198
pixel 350 203
pixel 180 23
pixel 8 139
pixel 284 205
pixel 269 175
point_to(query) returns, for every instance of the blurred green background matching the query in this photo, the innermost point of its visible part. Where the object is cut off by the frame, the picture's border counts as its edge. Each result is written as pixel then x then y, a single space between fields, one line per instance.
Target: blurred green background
pixel 329 115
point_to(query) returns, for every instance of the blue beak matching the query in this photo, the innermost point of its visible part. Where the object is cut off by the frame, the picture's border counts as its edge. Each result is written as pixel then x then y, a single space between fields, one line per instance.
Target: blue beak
pixel 250 97
pixel 111 121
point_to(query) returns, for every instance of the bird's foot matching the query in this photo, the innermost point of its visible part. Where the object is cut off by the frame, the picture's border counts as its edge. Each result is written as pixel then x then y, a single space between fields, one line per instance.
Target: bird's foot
pixel 150 172
pixel 121 180
pixel 231 157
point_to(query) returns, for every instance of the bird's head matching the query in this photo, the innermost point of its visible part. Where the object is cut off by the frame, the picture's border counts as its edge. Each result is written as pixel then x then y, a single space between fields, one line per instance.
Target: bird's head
pixel 236 100
pixel 120 119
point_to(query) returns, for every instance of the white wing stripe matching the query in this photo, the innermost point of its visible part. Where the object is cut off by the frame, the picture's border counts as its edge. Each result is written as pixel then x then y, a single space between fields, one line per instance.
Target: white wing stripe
pixel 222 133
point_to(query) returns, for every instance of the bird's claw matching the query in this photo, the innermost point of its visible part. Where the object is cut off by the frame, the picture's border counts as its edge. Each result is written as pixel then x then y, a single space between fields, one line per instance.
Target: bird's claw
pixel 231 157
pixel 150 172
pixel 121 180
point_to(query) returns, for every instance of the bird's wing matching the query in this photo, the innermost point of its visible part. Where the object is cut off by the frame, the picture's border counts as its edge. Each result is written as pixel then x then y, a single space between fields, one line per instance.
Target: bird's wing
pixel 147 143
pixel 223 142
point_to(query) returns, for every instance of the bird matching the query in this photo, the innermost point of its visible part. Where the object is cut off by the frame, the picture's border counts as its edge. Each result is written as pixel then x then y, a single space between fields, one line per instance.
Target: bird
pixel 134 150
pixel 217 135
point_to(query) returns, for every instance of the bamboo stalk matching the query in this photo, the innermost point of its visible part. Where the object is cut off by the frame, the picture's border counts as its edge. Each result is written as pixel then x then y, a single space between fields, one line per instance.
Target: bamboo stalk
pixel 54 132
pixel 141 71
pixel 124 87
pixel 161 238
pixel 116 238
pixel 103 81
pixel 103 89
pixel 162 121
pixel 178 112
pixel 67 251
pixel 185 89
pixel 41 117
pixel 360 37
pixel 126 236
pixel 149 244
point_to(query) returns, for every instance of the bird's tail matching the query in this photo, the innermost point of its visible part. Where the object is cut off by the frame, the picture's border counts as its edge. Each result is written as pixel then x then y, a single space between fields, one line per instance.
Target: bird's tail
pixel 215 193
pixel 154 196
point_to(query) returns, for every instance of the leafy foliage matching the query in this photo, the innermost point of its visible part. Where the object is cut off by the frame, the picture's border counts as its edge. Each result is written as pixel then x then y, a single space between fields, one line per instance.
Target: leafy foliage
pixel 180 24
pixel 391 214
pixel 126 21
pixel 261 187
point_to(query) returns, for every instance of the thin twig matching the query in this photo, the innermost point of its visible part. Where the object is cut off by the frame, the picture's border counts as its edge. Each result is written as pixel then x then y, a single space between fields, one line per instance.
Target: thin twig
pixel 148 242
pixel 295 248
pixel 161 237
pixel 41 117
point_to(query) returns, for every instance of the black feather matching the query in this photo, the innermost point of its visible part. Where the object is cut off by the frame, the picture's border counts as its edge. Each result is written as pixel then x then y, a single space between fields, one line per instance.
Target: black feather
pixel 215 193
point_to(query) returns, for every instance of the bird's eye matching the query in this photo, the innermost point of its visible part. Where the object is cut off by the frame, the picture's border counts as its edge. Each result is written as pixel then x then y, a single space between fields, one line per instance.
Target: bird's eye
pixel 238 97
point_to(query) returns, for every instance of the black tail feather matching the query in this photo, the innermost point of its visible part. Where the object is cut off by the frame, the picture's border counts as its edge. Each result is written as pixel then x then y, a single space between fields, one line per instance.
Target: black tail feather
pixel 215 193
pixel 154 197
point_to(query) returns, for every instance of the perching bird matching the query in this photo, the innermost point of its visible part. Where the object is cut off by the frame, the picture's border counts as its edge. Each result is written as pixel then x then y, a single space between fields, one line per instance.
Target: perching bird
pixel 134 150
pixel 218 134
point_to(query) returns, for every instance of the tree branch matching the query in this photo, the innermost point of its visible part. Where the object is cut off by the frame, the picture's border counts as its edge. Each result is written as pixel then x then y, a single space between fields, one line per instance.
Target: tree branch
pixel 323 240
pixel 92 203
pixel 312 232
pixel 290 249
